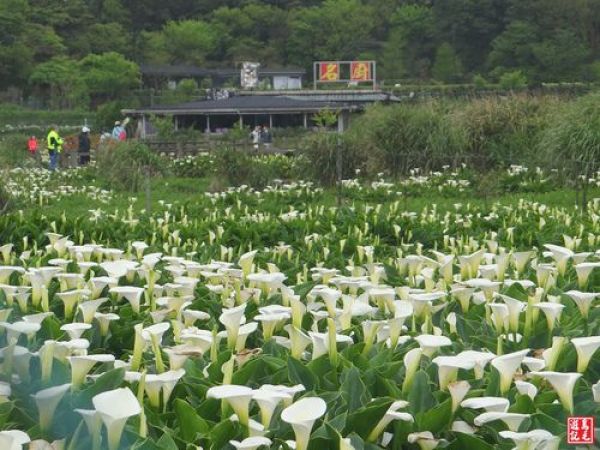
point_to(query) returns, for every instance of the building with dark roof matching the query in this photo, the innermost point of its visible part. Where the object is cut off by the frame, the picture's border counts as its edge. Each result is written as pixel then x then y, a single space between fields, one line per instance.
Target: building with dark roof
pixel 274 110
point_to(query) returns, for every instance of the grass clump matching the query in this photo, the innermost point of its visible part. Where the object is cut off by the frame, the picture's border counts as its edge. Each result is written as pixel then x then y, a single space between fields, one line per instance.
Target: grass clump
pixel 572 140
pixel 126 165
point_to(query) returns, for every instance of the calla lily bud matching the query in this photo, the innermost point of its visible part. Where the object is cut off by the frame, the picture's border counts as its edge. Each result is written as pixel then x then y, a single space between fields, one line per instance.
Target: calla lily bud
pixel 139 345
pixel 412 361
pixel 552 354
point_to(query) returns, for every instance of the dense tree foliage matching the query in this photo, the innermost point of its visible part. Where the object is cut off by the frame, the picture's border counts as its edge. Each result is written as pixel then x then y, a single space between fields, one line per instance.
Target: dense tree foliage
pixel 43 42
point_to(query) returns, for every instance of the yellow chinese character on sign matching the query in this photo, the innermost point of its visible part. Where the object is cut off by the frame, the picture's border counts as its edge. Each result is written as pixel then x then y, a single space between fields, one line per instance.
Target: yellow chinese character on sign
pixel 360 71
pixel 330 72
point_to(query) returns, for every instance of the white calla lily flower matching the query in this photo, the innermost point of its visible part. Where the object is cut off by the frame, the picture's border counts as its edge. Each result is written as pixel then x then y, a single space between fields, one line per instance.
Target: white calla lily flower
pixel 507 365
pixel 93 422
pixel 531 440
pixel 232 319
pixel 302 416
pixel 251 443
pixel 448 368
pixel 298 341
pixel 14 440
pixel 268 400
pixel 132 294
pixel 552 312
pixel 88 308
pixel 458 391
pixel 430 343
pixel 525 388
pixel 512 420
pixel 563 384
pixel 425 440
pixel 238 397
pixel 115 407
pixel 81 366
pixel 586 347
pixel 488 404
pixel 583 300
pixel 390 415
pixel 47 401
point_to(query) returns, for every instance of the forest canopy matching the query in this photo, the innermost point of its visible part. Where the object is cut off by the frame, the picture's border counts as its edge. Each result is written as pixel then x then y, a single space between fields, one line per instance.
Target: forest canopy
pixel 51 45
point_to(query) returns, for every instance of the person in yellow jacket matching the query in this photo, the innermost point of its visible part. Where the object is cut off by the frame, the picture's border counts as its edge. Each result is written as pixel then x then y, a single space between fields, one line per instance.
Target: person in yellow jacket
pixel 55 143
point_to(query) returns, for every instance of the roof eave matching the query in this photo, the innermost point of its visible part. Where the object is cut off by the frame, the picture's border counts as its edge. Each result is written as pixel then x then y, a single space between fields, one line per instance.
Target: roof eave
pixel 200 112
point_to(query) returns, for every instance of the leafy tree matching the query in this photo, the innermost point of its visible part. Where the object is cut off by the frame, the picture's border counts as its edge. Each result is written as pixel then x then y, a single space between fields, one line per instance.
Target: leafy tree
pixel 594 71
pixel 255 31
pixel 514 48
pixel 108 76
pixel 546 40
pixel 447 67
pixel 110 11
pixel 16 57
pixel 410 46
pixel 102 38
pixel 43 42
pixel 152 15
pixel 186 42
pixel 469 26
pixel 16 62
pixel 59 76
pixel 551 40
pixel 394 52
pixel 561 57
pixel 339 29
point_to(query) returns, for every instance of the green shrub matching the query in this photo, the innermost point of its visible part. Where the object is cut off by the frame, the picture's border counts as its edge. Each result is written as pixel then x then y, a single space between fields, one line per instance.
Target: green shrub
pixel 502 131
pixel 513 80
pixel 234 165
pixel 395 139
pixel 13 149
pixel 319 153
pixel 479 81
pixel 126 165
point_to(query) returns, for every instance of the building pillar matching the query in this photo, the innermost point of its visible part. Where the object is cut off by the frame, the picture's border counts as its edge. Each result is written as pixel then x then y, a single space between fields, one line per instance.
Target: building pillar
pixel 241 122
pixel 305 118
pixel 176 123
pixel 270 120
pixel 143 133
pixel 208 123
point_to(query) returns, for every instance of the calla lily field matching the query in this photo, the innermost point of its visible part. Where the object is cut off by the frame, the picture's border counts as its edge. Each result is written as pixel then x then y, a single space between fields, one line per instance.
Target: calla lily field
pixel 278 319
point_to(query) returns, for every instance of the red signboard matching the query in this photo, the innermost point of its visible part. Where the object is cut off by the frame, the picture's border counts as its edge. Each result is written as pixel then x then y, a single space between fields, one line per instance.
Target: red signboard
pixel 580 430
pixel 360 71
pixel 329 71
